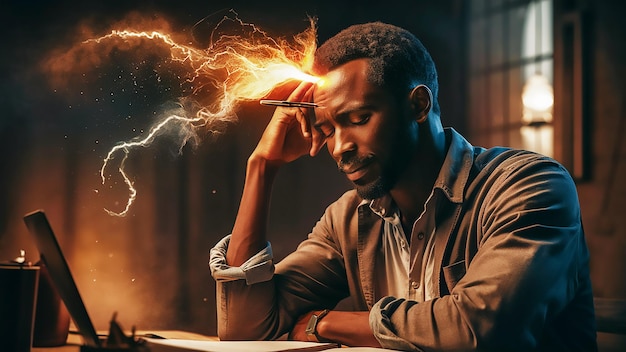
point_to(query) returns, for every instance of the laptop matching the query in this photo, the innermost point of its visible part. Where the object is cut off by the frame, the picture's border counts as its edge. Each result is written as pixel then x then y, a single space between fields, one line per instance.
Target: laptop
pixel 52 256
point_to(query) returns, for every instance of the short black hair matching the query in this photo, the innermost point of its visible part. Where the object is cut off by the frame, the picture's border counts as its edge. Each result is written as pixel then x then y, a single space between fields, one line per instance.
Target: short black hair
pixel 398 60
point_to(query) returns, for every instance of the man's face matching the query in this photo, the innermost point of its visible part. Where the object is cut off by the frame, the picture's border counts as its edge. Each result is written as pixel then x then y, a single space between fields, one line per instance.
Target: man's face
pixel 367 132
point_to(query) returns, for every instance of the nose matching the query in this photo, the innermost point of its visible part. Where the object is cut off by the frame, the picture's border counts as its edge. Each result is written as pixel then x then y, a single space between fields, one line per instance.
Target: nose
pixel 342 143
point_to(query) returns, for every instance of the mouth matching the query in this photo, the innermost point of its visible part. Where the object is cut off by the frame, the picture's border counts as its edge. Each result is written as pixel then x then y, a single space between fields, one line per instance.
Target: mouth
pixel 357 174
pixel 355 171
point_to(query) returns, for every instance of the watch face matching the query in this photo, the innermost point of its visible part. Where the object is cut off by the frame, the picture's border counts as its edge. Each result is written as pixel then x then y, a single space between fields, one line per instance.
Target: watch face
pixel 310 327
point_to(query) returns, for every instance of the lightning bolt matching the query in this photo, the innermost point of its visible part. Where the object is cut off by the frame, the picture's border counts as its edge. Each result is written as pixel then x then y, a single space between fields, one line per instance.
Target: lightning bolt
pixel 240 68
pixel 126 147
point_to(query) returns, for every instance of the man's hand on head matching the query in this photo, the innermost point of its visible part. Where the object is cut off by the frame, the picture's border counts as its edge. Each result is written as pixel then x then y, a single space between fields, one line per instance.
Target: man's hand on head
pixel 288 134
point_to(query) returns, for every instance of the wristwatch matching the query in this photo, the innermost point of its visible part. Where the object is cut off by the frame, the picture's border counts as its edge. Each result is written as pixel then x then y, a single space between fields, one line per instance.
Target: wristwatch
pixel 311 327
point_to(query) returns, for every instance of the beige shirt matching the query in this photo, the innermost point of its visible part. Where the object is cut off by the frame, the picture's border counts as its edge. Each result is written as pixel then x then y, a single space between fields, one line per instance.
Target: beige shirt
pixel 400 280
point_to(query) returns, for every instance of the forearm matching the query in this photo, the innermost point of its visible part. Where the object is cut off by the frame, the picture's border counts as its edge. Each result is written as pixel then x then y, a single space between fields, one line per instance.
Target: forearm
pixel 249 230
pixel 347 328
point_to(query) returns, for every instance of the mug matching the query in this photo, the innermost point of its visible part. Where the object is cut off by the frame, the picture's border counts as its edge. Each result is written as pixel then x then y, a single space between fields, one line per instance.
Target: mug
pixel 18 297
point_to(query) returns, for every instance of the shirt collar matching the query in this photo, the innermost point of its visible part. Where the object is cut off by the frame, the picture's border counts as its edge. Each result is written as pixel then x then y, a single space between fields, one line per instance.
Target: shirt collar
pixel 456 167
pixel 384 207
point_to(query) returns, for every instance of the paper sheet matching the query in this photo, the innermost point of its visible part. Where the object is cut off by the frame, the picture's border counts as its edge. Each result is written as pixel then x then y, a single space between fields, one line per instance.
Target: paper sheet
pixel 184 345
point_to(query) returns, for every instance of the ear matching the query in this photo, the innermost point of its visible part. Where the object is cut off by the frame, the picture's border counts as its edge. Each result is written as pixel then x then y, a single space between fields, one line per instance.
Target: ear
pixel 421 101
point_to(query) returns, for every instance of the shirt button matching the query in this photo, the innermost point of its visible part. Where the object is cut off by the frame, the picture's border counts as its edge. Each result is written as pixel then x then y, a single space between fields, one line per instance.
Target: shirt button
pixel 420 236
pixel 415 285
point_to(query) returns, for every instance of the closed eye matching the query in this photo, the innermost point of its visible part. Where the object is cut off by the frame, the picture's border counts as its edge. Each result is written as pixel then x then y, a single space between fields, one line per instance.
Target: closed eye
pixel 353 118
pixel 359 117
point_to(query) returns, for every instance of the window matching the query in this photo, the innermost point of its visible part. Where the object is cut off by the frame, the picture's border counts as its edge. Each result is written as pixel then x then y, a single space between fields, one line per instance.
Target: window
pixel 511 74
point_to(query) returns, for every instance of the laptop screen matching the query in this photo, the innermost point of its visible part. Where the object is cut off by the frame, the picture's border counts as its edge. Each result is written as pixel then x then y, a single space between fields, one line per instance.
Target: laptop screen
pixel 59 271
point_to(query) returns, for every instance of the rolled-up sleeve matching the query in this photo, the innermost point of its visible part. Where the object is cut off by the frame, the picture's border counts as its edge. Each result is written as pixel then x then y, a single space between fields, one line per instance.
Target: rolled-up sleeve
pixel 259 268
pixel 382 327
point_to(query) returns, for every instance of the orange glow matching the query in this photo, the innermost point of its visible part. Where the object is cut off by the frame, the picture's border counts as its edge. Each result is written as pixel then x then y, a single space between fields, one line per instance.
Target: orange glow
pixel 233 69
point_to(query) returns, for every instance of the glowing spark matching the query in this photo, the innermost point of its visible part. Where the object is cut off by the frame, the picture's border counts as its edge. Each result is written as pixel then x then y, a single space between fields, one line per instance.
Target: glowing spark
pixel 237 68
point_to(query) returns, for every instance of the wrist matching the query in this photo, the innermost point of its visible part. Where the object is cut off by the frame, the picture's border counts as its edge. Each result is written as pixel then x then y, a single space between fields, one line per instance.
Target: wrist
pixel 261 159
pixel 259 163
pixel 313 327
pixel 260 172
pixel 322 329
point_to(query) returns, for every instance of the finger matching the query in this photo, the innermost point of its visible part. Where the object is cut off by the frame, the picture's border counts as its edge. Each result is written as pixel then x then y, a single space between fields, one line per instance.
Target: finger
pixel 305 127
pixel 308 95
pixel 303 93
pixel 300 91
pixel 317 142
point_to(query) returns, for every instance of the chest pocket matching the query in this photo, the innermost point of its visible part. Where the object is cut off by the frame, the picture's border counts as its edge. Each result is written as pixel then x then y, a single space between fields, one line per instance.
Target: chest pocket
pixel 453 273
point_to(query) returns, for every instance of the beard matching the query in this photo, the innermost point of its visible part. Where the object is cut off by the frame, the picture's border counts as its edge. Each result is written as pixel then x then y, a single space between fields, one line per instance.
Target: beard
pixel 374 189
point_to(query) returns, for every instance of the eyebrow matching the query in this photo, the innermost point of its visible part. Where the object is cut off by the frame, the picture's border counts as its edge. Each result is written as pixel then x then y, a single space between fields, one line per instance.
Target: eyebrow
pixel 347 111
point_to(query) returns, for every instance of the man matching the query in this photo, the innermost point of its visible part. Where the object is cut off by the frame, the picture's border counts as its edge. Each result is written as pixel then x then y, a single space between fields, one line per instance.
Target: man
pixel 441 246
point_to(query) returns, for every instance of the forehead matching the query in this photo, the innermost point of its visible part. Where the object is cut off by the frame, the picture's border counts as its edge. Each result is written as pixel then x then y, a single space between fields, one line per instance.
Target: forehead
pixel 344 81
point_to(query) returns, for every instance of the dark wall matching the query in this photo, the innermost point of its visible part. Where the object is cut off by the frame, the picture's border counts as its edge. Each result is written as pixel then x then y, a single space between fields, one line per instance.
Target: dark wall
pixel 150 266
pixel 602 195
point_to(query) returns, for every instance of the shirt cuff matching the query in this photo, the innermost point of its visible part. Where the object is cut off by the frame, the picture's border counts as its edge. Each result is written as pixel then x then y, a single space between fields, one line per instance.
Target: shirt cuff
pixel 382 327
pixel 259 268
